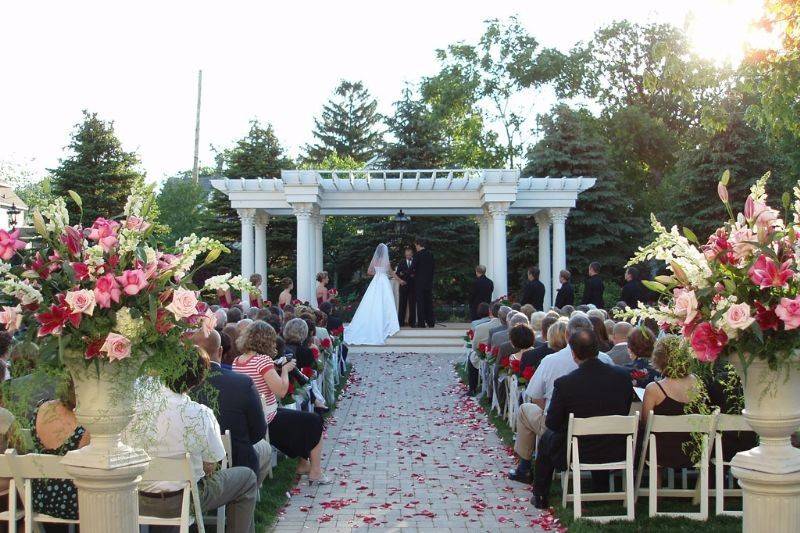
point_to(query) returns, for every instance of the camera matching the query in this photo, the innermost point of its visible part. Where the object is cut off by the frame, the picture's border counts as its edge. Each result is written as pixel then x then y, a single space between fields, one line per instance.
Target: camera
pixel 295 374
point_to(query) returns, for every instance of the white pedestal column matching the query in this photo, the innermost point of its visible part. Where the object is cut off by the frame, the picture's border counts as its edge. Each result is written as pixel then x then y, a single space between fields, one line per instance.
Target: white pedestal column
pixel 559 219
pixel 248 257
pixel 543 221
pixel 499 211
pixel 483 239
pixel 305 234
pixel 261 220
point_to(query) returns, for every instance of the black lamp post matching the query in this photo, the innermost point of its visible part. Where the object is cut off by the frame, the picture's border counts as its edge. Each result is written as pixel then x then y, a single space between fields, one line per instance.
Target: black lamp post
pixel 13 212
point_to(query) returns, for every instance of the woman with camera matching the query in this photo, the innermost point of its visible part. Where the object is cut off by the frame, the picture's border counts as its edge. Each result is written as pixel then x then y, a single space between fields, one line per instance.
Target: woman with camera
pixel 294 433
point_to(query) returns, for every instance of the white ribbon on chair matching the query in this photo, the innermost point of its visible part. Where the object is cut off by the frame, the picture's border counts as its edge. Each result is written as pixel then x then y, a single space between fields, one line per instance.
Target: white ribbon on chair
pixel 512 402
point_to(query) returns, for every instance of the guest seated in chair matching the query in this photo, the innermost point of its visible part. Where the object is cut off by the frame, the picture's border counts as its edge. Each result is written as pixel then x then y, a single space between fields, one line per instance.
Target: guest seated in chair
pixel 169 424
pixel 593 389
pixel 534 356
pixel 640 347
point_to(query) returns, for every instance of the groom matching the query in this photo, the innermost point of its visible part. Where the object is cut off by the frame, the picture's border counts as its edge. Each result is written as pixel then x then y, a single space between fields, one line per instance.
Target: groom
pixel 423 261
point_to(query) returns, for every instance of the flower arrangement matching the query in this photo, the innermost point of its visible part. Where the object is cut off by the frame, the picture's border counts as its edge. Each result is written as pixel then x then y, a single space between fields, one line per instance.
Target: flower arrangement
pixel 108 291
pixel 481 350
pixel 737 293
pixel 468 336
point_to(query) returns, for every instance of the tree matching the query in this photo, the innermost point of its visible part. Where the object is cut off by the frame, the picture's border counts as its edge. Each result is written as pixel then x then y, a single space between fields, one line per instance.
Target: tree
pixel 98 169
pixel 259 154
pixel 504 69
pixel 32 188
pixel 739 148
pixel 348 125
pixel 418 142
pixel 182 204
pixel 603 225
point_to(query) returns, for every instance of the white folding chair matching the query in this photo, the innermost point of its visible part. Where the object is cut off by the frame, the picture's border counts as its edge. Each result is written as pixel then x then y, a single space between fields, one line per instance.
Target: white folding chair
pixel 179 471
pixel 697 424
pixel 725 423
pixel 13 514
pixel 218 518
pixel 25 469
pixel 512 401
pixel 600 425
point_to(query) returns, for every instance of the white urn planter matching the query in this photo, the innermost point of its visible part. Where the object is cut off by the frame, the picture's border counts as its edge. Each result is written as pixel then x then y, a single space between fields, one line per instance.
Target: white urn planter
pixel 107 471
pixel 770 473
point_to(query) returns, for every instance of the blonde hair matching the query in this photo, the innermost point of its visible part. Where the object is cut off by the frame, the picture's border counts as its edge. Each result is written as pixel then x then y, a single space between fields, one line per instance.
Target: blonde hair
pixel 557 335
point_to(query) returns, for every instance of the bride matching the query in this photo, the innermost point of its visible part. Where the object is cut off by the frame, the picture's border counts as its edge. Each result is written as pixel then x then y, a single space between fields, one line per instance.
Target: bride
pixel 376 316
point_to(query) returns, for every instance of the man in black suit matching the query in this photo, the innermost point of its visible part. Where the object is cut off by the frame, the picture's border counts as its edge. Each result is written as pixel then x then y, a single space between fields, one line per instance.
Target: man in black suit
pixel 633 290
pixel 408 299
pixel 565 294
pixel 238 409
pixel 482 289
pixel 533 291
pixel 424 271
pixel 593 287
pixel 593 389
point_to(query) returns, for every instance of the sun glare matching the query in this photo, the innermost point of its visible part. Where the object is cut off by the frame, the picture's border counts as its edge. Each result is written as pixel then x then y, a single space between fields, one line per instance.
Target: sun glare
pixel 722 30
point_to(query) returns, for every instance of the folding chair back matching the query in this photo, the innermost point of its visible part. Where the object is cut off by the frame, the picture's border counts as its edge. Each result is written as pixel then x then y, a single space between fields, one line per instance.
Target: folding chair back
pixel 218 518
pixel 178 471
pixel 25 469
pixel 600 425
pixel 705 426
pixel 725 423
pixel 12 515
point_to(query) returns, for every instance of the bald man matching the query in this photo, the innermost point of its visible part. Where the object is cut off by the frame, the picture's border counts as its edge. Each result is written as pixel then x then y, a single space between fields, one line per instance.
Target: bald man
pixel 238 409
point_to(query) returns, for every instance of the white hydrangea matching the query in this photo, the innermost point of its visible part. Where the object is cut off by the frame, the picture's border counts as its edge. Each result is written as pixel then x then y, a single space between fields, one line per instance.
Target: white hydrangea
pixel 132 328
pixel 56 216
pixel 22 291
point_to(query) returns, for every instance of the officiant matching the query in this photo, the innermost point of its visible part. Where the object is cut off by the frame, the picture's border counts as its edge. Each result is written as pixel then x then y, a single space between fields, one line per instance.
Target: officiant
pixel 405 272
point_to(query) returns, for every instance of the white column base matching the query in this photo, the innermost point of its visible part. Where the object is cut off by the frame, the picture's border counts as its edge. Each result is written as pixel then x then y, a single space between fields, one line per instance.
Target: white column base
pixel 771 502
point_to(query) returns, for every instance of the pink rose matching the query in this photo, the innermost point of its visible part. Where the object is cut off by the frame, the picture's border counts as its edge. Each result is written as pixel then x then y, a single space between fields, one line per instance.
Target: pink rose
pixel 685 305
pixel 105 233
pixel 11 318
pixel 136 223
pixel 9 244
pixel 133 281
pixel 184 303
pixel 116 346
pixel 82 301
pixel 767 273
pixel 105 290
pixel 738 316
pixel 789 312
pixel 708 342
pixel 208 321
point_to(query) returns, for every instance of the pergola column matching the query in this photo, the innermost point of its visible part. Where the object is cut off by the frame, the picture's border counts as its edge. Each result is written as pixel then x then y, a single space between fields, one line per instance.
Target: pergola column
pixel 248 256
pixel 305 234
pixel 483 239
pixel 543 221
pixel 319 223
pixel 559 219
pixel 499 211
pixel 261 220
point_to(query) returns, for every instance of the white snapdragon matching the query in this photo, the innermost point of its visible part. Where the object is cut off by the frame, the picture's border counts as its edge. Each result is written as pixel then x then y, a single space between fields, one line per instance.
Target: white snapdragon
pixel 238 283
pixel 56 215
pixel 217 283
pixel 128 240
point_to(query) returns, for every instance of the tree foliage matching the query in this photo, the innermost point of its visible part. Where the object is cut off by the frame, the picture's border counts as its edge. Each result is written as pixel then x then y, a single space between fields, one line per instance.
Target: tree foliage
pixel 347 126
pixel 98 169
pixel 182 204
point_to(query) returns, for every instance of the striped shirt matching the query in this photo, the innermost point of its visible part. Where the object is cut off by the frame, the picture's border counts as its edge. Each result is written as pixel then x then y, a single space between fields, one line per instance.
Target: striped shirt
pixel 255 367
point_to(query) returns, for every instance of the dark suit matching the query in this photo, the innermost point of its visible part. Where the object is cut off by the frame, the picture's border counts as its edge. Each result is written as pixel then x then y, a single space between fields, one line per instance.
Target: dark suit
pixel 408 297
pixel 593 389
pixel 239 410
pixel 424 271
pixel 482 289
pixel 565 295
pixel 632 293
pixel 533 294
pixel 593 291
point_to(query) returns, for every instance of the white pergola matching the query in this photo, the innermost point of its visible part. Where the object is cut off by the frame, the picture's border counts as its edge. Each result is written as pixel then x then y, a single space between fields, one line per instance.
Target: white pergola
pixel 490 195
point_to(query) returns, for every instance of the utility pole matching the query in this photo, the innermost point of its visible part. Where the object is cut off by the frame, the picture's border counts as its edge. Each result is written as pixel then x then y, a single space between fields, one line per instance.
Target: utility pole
pixel 195 169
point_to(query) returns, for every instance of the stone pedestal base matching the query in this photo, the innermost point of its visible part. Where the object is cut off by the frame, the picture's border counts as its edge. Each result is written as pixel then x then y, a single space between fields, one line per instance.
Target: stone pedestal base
pixel 771 501
pixel 108 499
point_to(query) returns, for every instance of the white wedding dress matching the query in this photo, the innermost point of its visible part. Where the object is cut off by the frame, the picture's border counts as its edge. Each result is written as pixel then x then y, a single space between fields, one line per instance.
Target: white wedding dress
pixel 376 317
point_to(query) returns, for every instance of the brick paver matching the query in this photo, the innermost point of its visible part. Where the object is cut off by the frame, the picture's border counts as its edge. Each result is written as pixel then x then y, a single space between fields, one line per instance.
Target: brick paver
pixel 408 450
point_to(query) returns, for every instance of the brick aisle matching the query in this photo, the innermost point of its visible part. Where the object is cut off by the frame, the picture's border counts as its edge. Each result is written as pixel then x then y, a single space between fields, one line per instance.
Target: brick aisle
pixel 408 450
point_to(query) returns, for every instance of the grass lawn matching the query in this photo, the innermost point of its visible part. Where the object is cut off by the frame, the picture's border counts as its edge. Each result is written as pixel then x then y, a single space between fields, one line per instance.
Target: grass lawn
pixel 275 491
pixel 643 523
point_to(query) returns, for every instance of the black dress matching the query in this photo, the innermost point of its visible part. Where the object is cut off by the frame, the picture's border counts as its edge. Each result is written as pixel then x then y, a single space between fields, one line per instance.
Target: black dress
pixel 55 497
pixel 295 433
pixel 670 446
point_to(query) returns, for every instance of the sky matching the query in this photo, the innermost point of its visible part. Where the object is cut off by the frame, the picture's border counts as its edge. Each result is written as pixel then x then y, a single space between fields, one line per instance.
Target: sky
pixel 136 63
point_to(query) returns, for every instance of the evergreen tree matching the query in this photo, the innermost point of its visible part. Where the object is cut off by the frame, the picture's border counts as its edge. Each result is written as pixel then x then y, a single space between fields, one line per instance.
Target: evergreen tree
pixel 602 226
pixel 182 204
pixel 98 169
pixel 417 139
pixel 348 125
pixel 738 148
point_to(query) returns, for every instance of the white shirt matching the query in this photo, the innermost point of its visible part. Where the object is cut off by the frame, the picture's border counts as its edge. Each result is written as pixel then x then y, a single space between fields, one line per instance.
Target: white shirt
pixel 550 369
pixel 168 425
